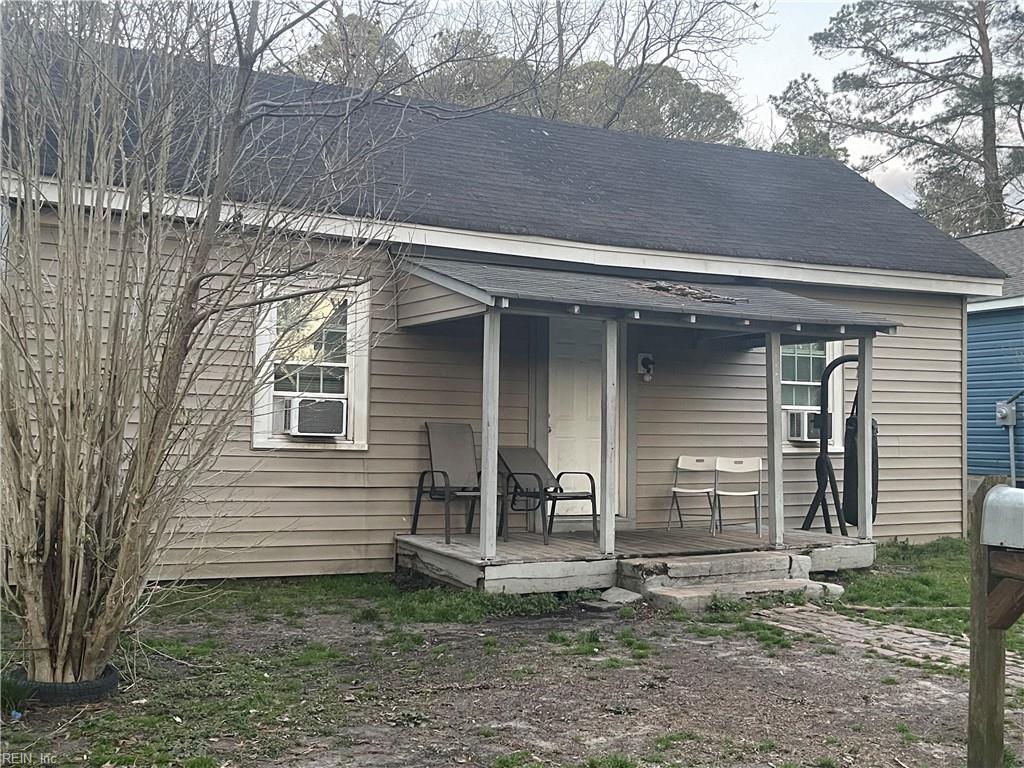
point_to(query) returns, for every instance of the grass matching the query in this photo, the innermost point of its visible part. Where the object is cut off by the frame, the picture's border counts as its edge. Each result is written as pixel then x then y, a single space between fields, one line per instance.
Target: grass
pixel 182 650
pixel 200 697
pixel 255 704
pixel 525 760
pixel 587 643
pixel 638 648
pixel 516 760
pixel 253 700
pixel 315 654
pixel 920 585
pixel 906 734
pixel 293 598
pixel 669 740
pixel 611 761
pixel 402 640
pixel 728 618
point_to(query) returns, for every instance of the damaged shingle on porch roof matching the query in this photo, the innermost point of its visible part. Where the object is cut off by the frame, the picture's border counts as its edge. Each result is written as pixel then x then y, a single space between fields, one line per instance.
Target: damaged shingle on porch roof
pixel 638 292
pixel 688 291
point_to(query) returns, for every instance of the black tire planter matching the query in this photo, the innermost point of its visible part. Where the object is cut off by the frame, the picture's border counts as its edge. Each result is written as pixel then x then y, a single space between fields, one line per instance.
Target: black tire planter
pixel 85 692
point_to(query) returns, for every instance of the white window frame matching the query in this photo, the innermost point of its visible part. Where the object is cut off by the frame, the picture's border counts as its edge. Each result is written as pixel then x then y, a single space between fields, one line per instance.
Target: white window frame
pixel 836 405
pixel 357 382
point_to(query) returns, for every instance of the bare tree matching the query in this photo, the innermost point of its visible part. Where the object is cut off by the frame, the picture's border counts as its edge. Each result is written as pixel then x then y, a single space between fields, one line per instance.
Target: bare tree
pixel 168 180
pixel 165 197
pixel 648 65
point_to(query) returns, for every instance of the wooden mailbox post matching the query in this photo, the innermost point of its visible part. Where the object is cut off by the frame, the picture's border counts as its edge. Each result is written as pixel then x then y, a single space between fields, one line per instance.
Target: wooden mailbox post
pixel 997 601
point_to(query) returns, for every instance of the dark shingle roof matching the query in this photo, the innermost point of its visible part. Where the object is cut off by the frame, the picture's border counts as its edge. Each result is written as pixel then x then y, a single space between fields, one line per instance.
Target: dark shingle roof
pixel 500 173
pixel 641 292
pixel 1004 249
pixel 523 176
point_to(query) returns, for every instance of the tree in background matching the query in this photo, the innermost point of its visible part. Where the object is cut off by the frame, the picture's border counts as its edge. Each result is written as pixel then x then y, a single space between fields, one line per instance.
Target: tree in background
pixel 656 67
pixel 951 197
pixel 803 135
pixel 468 67
pixel 938 84
pixel 667 105
pixel 358 52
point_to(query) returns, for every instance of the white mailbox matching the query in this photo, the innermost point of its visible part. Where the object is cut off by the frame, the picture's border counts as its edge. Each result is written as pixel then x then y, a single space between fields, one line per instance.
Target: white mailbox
pixel 1002 522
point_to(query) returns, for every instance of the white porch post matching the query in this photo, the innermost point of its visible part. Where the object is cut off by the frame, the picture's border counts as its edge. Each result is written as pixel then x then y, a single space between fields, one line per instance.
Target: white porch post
pixel 865 364
pixel 489 437
pixel 773 384
pixel 610 437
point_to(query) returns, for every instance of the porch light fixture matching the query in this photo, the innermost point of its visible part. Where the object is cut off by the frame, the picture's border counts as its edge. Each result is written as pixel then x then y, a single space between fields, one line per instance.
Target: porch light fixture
pixel 693 318
pixel 574 309
pixel 645 366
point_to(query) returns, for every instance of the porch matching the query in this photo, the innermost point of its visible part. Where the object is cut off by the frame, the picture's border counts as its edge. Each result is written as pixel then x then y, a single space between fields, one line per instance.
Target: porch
pixel 690 326
pixel 571 561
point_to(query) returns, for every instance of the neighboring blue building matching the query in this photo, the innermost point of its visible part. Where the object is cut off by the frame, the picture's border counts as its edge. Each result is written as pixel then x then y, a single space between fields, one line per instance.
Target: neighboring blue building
pixel 995 357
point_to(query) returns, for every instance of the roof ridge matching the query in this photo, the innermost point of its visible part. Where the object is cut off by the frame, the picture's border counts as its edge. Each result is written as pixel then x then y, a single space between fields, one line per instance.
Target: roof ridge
pixel 399 101
pixel 993 231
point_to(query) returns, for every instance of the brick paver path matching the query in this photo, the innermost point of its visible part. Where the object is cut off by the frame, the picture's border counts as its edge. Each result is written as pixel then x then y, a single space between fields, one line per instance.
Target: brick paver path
pixel 891 641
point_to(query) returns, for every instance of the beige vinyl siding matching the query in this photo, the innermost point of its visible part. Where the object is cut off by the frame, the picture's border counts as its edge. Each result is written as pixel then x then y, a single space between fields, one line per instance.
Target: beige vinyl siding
pixel 420 302
pixel 293 511
pixel 709 401
pixel 290 511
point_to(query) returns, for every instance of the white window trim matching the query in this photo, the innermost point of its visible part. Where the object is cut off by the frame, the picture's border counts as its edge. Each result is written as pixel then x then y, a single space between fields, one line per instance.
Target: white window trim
pixel 836 404
pixel 357 384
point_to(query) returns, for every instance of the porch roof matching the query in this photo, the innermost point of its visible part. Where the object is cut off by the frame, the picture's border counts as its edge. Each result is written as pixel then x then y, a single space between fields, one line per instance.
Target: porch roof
pixel 648 298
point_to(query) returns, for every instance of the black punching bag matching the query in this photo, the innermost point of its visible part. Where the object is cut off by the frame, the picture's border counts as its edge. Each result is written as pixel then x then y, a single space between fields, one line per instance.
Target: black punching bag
pixel 850 452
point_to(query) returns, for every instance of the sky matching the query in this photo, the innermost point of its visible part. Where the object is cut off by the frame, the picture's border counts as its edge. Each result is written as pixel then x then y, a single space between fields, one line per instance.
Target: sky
pixel 765 67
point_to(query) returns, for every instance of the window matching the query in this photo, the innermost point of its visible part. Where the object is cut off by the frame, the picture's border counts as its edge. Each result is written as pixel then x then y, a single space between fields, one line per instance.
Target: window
pixel 313 352
pixel 312 339
pixel 802 366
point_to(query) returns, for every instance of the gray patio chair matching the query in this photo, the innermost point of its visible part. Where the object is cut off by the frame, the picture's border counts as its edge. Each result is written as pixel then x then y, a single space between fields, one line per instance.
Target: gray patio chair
pixel 454 473
pixel 686 468
pixel 530 485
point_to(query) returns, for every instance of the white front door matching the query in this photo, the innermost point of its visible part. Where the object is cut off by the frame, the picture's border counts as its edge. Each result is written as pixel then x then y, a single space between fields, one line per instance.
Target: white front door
pixel 575 360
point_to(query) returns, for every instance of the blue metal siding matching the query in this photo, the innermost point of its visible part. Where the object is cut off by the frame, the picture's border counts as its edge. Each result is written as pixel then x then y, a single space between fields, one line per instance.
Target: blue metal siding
pixel 995 370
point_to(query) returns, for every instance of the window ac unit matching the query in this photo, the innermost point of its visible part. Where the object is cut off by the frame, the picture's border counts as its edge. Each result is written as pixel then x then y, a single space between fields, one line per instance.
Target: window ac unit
pixel 317 417
pixel 803 427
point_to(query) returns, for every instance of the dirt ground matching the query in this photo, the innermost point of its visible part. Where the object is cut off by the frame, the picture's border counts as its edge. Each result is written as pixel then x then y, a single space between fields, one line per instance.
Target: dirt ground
pixel 503 693
pixel 582 688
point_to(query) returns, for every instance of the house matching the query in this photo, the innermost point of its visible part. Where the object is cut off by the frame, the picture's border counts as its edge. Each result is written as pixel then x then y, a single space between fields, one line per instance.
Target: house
pixel 527 245
pixel 995 357
pixel 541 269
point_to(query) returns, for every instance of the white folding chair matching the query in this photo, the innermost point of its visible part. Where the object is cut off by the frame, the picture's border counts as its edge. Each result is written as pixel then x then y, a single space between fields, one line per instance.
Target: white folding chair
pixel 735 466
pixel 694 464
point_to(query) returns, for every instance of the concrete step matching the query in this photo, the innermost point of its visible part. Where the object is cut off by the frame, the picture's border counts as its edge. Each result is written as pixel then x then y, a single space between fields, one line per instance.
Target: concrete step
pixel 639 574
pixel 697 598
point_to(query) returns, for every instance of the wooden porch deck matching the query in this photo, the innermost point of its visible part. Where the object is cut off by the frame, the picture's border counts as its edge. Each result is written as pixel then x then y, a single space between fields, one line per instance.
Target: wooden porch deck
pixel 572 560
